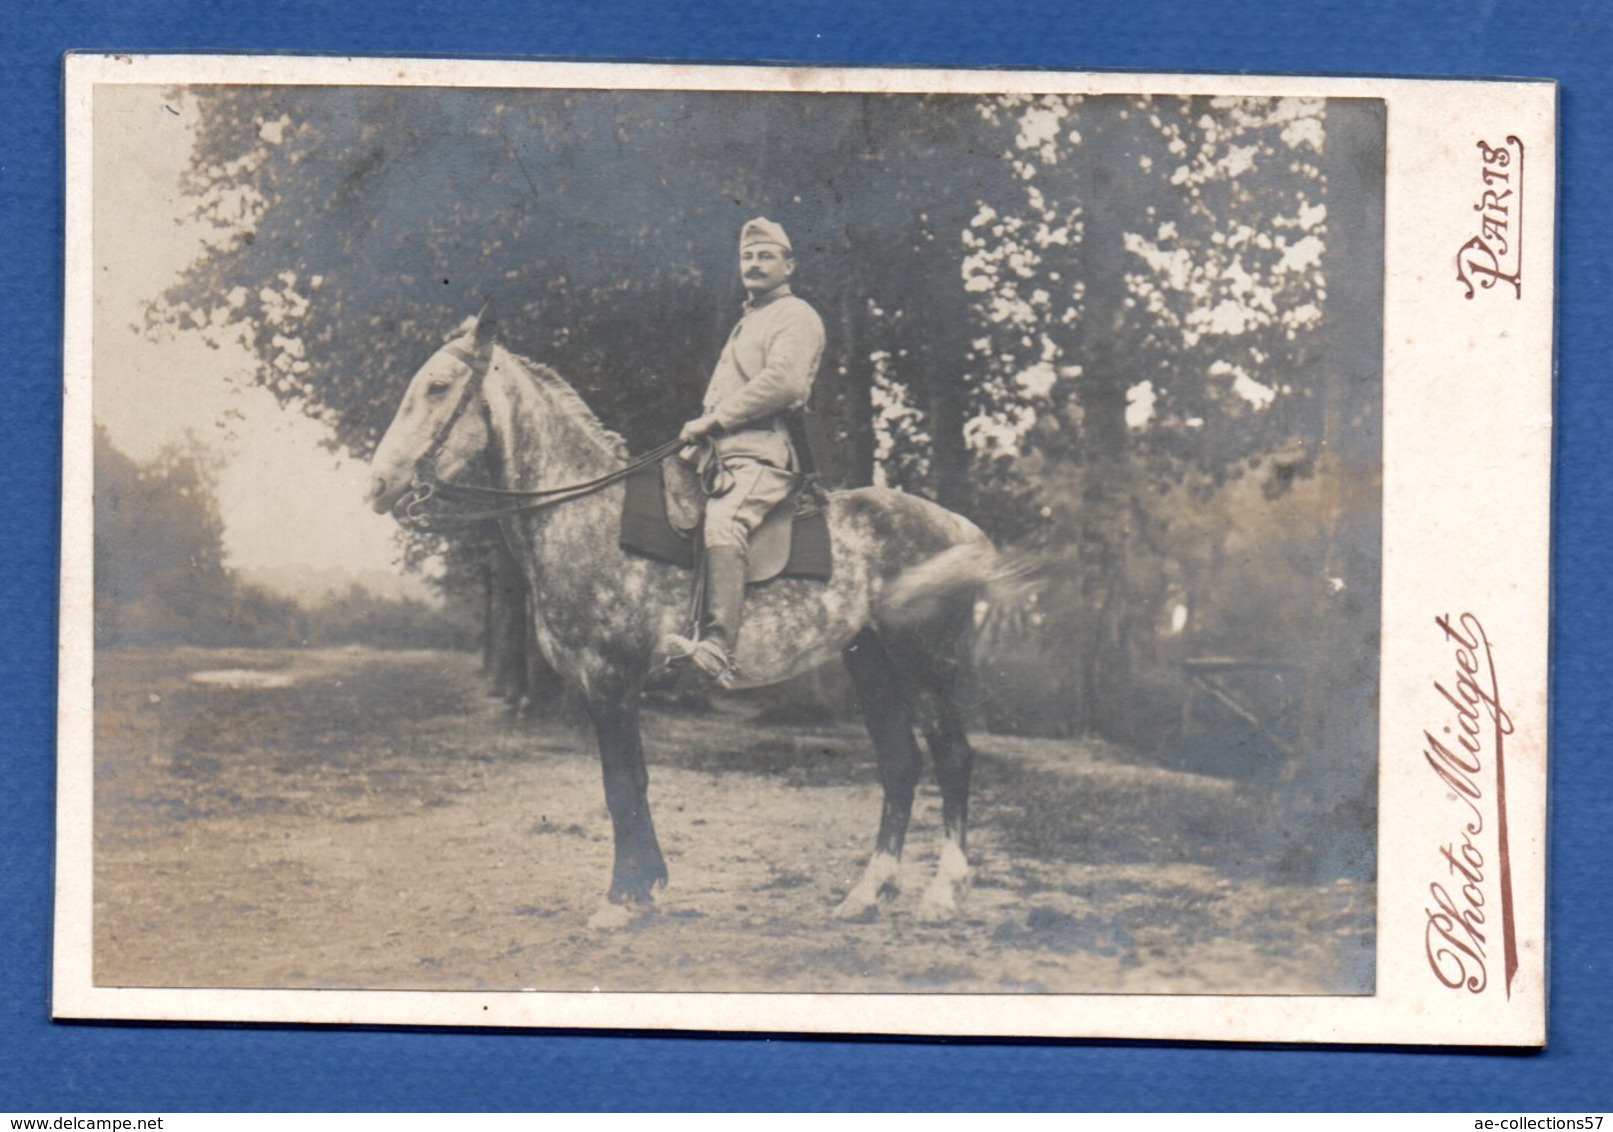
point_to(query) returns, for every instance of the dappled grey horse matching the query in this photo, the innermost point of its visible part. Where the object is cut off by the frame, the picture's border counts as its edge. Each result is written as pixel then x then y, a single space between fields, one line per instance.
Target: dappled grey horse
pixel 899 608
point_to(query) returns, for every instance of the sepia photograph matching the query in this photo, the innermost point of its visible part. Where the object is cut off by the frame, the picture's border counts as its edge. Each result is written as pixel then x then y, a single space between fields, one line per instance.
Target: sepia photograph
pixel 634 537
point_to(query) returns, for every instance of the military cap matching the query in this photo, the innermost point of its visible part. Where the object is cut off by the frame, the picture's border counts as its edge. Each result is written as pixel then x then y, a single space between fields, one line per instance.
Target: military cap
pixel 763 231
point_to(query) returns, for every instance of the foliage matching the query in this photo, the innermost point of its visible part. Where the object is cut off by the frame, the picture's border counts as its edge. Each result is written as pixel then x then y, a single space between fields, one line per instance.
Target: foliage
pixel 161 577
pixel 359 617
pixel 159 557
pixel 999 276
pixel 1161 278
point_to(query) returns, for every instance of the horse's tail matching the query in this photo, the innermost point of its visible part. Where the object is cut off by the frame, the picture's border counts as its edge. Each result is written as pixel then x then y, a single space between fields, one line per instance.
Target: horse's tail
pixel 974 570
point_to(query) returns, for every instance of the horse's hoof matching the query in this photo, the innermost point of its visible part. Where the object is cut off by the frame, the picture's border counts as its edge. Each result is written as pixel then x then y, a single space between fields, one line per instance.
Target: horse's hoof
pixel 856 909
pixel 614 917
pixel 938 907
pixel 880 882
pixel 948 887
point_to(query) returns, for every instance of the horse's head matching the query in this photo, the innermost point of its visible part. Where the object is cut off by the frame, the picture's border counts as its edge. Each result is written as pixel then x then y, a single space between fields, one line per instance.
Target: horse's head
pixel 438 417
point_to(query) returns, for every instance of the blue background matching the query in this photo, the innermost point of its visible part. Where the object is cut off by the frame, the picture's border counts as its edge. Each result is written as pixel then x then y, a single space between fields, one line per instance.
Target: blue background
pixel 66 1068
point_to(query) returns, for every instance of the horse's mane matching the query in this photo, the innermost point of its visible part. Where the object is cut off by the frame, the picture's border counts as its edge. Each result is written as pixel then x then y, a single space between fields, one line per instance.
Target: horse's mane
pixel 568 401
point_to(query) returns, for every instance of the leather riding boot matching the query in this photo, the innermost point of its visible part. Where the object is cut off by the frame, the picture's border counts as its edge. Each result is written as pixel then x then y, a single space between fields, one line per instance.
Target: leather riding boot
pixel 724 602
pixel 725 596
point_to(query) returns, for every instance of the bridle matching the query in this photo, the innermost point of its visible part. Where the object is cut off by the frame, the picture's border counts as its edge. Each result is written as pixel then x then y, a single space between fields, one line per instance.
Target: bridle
pixel 493 502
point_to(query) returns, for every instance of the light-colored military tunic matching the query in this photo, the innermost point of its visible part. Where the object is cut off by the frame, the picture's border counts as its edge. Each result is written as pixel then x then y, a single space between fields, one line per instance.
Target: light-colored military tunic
pixel 766 370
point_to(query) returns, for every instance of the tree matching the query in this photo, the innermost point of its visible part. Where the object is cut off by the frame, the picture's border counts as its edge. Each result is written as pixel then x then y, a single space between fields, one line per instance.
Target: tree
pixel 1155 301
pixel 160 575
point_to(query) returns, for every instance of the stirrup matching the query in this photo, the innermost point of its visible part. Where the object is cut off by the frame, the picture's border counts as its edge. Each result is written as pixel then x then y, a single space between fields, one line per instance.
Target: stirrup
pixel 709 657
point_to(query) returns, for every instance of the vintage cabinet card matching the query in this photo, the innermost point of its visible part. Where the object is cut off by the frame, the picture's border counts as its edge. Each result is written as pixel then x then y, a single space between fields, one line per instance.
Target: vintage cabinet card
pixel 1158 649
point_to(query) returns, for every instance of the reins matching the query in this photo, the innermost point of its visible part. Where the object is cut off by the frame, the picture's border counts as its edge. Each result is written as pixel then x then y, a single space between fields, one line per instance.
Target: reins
pixel 497 502
pixel 427 486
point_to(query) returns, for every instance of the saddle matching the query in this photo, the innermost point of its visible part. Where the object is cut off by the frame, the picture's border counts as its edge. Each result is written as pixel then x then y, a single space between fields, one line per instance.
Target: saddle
pixel 660 520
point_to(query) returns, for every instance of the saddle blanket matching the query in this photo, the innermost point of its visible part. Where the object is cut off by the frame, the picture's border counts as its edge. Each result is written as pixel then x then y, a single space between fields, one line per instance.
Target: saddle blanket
pixel 779 548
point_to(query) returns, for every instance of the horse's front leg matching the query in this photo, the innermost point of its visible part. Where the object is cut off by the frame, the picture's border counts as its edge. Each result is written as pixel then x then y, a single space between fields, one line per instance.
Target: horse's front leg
pixel 639 867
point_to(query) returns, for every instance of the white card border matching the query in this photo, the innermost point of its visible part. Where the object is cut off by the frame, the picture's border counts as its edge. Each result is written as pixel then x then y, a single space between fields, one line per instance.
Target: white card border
pixel 1467 456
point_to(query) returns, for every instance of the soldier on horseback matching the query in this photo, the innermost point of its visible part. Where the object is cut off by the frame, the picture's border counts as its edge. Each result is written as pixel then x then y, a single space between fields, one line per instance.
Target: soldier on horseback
pixel 897 602
pixel 751 465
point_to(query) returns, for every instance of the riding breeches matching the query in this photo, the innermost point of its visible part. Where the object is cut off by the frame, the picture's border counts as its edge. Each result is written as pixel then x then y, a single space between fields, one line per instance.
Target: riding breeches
pixel 753 489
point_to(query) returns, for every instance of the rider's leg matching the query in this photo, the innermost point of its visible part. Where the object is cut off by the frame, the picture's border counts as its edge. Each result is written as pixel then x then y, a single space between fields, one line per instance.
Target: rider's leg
pixel 730 517
pixel 724 605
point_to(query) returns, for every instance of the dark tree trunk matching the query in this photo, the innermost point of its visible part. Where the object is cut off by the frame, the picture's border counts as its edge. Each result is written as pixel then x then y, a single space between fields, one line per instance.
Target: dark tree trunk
pixel 506 628
pixel 1335 764
pixel 488 650
pixel 1106 663
pixel 845 396
pixel 516 669
pixel 937 361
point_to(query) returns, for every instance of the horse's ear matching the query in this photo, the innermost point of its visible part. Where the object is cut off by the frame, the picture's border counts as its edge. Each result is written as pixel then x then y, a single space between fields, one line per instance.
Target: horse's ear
pixel 486 325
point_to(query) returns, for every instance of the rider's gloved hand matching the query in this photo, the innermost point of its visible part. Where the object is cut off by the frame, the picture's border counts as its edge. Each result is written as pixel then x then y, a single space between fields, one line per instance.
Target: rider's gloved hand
pixel 699 427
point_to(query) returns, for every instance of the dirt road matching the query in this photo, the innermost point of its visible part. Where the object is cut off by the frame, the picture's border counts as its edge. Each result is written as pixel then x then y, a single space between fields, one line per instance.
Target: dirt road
pixel 363 819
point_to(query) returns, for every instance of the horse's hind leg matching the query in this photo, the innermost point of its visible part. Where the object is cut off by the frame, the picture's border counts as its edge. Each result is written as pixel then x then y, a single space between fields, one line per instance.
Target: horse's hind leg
pixel 948 741
pixel 887 707
pixel 938 657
